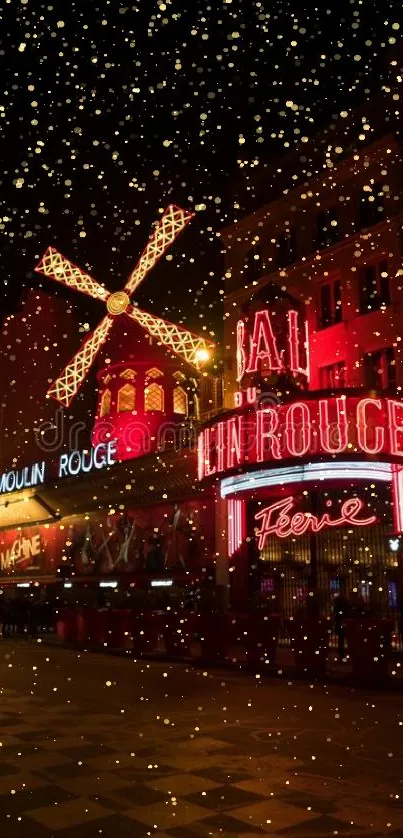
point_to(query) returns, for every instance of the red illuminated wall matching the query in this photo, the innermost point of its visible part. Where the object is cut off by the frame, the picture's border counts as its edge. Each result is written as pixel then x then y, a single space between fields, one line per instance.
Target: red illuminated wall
pixel 130 359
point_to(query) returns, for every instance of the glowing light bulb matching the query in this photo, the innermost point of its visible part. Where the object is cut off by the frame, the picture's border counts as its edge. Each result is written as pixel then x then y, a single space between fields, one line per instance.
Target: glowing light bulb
pixel 202 355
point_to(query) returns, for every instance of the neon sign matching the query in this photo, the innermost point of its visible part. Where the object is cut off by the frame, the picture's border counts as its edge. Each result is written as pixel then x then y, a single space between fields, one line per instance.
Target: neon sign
pixel 236 525
pixel 277 519
pixel 259 350
pixel 76 462
pixel 69 465
pixel 21 553
pixel 308 427
pixel 11 481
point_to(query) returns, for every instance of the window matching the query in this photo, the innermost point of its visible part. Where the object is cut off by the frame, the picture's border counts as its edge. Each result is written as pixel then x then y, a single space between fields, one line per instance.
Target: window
pixel 153 393
pixel 105 403
pixel 327 231
pixel 333 377
pixel 287 247
pixel 371 207
pixel 154 373
pixel 154 397
pixel 126 398
pixel 380 369
pixel 330 310
pixel 180 401
pixel 178 376
pixel 253 263
pixel 128 374
pixel 374 286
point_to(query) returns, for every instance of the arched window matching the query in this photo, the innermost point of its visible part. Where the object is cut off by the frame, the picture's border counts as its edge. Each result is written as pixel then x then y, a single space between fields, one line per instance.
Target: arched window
pixel 154 373
pixel 126 398
pixel 128 374
pixel 105 403
pixel 180 400
pixel 154 397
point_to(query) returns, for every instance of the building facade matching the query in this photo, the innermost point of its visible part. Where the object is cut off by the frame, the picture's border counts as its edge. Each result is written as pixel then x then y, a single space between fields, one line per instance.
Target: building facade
pixel 306 458
pixel 105 492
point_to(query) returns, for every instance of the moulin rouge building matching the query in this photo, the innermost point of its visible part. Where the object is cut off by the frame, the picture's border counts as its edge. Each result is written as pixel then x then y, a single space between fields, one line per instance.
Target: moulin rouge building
pixel 307 456
pixel 296 481
pixel 98 476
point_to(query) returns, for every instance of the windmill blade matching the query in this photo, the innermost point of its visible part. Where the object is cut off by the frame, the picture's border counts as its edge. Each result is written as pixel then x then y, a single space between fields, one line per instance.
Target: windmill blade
pixel 170 225
pixel 54 265
pixel 65 387
pixel 192 348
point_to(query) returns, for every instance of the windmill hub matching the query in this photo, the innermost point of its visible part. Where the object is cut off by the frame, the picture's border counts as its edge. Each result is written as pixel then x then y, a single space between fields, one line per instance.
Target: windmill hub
pixel 118 302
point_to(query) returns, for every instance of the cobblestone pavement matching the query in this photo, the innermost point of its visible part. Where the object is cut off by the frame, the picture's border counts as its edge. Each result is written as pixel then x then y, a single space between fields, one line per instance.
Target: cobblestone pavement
pixel 95 745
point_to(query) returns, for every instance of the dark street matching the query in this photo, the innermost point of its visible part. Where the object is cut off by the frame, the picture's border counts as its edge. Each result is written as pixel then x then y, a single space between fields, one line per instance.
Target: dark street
pixel 97 745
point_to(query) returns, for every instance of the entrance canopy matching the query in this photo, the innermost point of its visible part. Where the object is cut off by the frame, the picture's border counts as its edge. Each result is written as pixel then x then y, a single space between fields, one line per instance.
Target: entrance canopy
pixel 147 480
pixel 22 508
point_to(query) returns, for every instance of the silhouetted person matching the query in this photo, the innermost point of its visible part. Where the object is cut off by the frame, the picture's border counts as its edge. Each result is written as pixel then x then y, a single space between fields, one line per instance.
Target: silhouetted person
pixel 358 606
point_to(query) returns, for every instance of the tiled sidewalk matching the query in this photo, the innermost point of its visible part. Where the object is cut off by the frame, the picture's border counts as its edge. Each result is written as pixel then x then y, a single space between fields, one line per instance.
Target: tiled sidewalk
pixel 93 746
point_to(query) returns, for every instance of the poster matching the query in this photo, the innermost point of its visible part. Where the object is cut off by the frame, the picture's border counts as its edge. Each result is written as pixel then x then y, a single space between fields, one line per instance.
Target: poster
pixel 176 536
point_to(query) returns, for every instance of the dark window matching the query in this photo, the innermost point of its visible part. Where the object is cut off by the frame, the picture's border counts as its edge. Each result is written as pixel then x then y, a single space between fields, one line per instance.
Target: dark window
pixel 371 206
pixel 374 286
pixel 287 247
pixel 330 311
pixel 253 263
pixel 393 598
pixel 380 369
pixel 327 228
pixel 333 376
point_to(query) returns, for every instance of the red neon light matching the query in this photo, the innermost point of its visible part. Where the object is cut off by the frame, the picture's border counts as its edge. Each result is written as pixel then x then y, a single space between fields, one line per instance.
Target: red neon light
pixel 264 345
pixel 234 441
pixel 240 350
pixel 201 465
pixel 364 427
pixel 307 427
pixel 396 426
pixel 298 429
pixel 245 397
pixel 276 519
pixel 267 439
pixel 220 446
pixel 236 525
pixel 397 497
pixel 205 455
pixel 294 346
pixel 333 435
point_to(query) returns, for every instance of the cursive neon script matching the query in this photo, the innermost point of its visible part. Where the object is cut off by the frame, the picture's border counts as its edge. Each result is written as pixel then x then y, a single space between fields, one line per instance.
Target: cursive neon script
pixel 276 519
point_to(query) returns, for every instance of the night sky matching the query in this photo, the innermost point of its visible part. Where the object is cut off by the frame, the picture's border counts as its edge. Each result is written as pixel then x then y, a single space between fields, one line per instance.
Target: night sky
pixel 111 111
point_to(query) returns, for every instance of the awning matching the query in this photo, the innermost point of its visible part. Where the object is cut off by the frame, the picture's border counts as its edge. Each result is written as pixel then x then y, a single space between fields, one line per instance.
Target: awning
pixel 23 508
pixel 143 481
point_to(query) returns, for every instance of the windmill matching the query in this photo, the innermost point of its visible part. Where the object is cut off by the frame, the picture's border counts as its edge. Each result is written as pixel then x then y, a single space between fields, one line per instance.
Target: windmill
pixel 194 349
